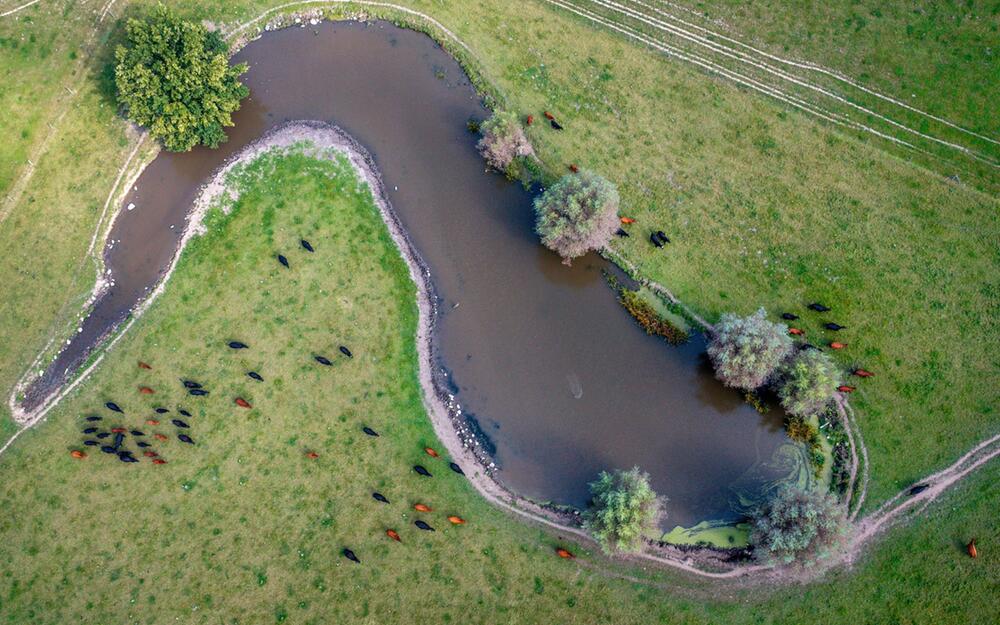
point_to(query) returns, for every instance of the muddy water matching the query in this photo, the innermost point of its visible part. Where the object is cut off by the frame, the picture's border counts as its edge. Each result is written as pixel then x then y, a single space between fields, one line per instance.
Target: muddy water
pixel 556 374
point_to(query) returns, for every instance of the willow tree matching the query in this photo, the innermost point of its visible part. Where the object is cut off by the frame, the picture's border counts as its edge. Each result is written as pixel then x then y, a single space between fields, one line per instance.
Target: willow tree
pixel 503 141
pixel 624 508
pixel 808 382
pixel 174 78
pixel 577 215
pixel 746 351
pixel 796 525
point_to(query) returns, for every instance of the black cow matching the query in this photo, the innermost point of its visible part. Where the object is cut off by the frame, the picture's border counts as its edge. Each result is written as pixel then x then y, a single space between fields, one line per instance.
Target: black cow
pixel 161 411
pixel 119 438
pixel 662 237
pixel 254 375
pixel 370 432
pixel 93 418
pixel 380 497
pixel 91 443
pixel 89 430
pixel 457 469
pixel 308 246
pixel 555 124
pixel 919 488
pixel 818 307
pixel 422 471
pixel 350 556
pixel 179 423
pixel 184 438
pixel 323 360
pixel 789 316
pixel 346 352
pixel 655 239
pixel 108 449
pixel 834 326
pixel 283 260
pixel 238 345
pixel 103 434
pixel 620 232
pixel 184 412
pixel 142 444
pixel 198 392
pixel 137 433
pixel 423 526
pixel 191 384
pixel 112 406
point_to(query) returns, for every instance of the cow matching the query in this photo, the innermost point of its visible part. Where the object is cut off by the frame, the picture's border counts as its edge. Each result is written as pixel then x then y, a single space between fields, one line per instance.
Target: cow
pixel 423 526
pixel 431 452
pixel 379 497
pixel 184 438
pixel 198 392
pixel 179 423
pixel 457 469
pixel 350 555
pixel 422 471
pixel 456 520
pixel 562 553
pixel 818 307
pixel 323 360
pixel 238 345
pixel 145 390
pixel 255 376
pixel 191 384
pixel 370 432
pixel 419 507
pixel 307 245
pixel 345 351
pixel 836 327
pixel 283 261
pixel 393 535
pixel 112 406
pixel 789 316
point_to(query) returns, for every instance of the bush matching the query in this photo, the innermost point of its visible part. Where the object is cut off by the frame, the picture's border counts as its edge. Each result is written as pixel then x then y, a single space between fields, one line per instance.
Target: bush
pixel 796 525
pixel 503 141
pixel 807 382
pixel 746 351
pixel 653 321
pixel 624 508
pixel 578 214
pixel 174 78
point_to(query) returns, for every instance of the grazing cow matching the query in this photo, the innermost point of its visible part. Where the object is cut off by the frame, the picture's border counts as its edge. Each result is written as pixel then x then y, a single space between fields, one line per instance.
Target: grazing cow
pixel 562 553
pixel 843 388
pixel 806 346
pixel 255 376
pixel 161 410
pixel 160 437
pixel 119 439
pixel 836 345
pixel 79 455
pixel 191 384
pixel 143 444
pixel 457 469
pixel 179 423
pixel 242 403
pixel 323 360
pixel 423 526
pixel 549 116
pixel 422 471
pixel 655 240
pixel 184 438
pixel 238 345
pixel 345 351
pixel 430 452
pixel 312 455
pixel 662 236
pixel 350 555
pixel 622 233
pixel 145 390
pixel 119 430
pixel 94 418
pixel 112 406
pixel 198 392
pixel 789 316
pixel 152 422
pixel 103 434
pixel 379 497
pixel 307 245
pixel 126 456
pixel 393 535
pixel 108 449
pixel 796 331
pixel 573 168
pixel 150 454
pixel 456 520
pixel 143 365
pixel 834 326
pixel 971 549
pixel 863 373
pixel 159 461
pixel 555 125
pixel 137 433
pixel 283 260
pixel 419 507
pixel 91 443
pixel 530 120
pixel 89 430
pixel 370 432
pixel 919 488
pixel 818 307
pixel 626 220
pixel 184 412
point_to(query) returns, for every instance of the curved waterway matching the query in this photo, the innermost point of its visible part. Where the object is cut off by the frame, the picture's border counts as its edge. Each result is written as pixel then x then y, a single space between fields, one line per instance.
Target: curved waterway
pixel 541 357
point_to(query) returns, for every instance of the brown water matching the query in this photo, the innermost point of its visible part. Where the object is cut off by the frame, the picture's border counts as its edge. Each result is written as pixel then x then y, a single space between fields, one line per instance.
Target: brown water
pixel 556 374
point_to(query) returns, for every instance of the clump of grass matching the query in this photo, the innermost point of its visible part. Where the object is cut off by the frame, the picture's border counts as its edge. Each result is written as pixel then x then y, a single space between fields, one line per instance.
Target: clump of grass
pixel 651 312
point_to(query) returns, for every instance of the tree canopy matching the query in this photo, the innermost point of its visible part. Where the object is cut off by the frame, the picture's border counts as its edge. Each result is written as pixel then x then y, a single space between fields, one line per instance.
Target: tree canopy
pixel 796 525
pixel 174 78
pixel 624 508
pixel 745 351
pixel 808 382
pixel 578 214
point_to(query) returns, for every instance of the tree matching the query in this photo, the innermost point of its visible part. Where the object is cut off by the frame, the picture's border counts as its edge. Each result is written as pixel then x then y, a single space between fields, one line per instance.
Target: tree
pixel 624 508
pixel 796 525
pixel 578 214
pixel 174 78
pixel 807 382
pixel 745 351
pixel 503 141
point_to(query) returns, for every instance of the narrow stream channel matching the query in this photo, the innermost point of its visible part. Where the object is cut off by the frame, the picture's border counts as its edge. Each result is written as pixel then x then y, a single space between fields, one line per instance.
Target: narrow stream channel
pixel 553 370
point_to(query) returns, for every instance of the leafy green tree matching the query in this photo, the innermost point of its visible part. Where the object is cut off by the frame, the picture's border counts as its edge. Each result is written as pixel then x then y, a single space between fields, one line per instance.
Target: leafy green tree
pixel 174 78
pixel 797 525
pixel 807 382
pixel 624 508
pixel 503 141
pixel 578 214
pixel 746 351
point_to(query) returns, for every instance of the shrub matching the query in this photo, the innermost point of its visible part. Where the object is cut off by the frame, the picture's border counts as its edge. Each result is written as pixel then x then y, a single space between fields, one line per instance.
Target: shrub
pixel 746 351
pixel 578 214
pixel 807 382
pixel 503 141
pixel 653 321
pixel 174 78
pixel 624 508
pixel 796 525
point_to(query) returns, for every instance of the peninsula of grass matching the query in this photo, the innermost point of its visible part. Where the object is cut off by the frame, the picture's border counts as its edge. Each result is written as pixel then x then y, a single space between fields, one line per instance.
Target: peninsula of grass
pixel 245 527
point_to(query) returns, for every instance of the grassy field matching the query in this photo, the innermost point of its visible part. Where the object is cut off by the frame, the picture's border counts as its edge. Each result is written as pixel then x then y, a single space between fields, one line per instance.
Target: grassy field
pixel 244 527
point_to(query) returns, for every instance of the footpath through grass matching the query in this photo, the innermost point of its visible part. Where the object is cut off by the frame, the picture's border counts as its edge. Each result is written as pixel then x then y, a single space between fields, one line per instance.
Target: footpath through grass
pixel 244 527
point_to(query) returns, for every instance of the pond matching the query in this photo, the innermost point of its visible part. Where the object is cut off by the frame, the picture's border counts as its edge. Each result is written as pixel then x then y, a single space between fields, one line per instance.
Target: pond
pixel 554 372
